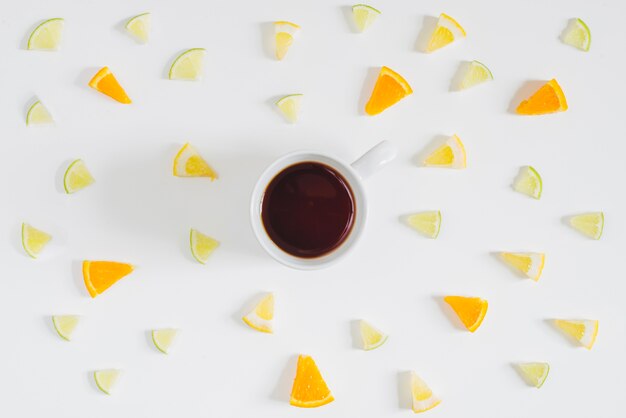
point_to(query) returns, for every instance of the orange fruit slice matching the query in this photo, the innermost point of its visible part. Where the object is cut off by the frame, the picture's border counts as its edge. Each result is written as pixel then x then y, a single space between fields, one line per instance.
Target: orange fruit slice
pixel 390 88
pixel 309 388
pixel 105 82
pixel 471 311
pixel 100 275
pixel 548 99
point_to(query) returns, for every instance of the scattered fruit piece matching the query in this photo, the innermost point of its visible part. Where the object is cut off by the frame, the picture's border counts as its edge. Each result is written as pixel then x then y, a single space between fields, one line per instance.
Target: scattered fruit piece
pixel 163 338
pixel 285 32
pixel 290 106
pixel 423 397
pixel 34 240
pixel 529 182
pixel 105 82
pixel 261 318
pixel 47 36
pixel 477 73
pixel 106 379
pixel 65 325
pixel 38 115
pixel 202 246
pixel 548 99
pixel 471 311
pixel 188 65
pixel 189 163
pixel 364 16
pixel 577 34
pixel 309 388
pixel 590 224
pixel 139 26
pixel 77 177
pixel 428 223
pixel 390 88
pixel 529 264
pixel 584 331
pixel 534 373
pixel 371 336
pixel 100 275
pixel 450 155
pixel 447 31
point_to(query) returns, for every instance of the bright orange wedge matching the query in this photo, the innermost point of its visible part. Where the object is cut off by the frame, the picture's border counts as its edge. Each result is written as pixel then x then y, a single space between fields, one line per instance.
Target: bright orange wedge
pixel 548 99
pixel 390 88
pixel 471 311
pixel 309 388
pixel 100 275
pixel 105 82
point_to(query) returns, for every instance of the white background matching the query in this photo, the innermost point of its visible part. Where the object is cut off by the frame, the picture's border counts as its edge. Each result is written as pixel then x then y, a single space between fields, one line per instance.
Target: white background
pixel 138 212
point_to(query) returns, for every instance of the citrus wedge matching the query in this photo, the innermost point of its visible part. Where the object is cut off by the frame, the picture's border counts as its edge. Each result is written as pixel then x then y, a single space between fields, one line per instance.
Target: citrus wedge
pixel 189 163
pixel 577 34
pixel 449 155
pixel 77 177
pixel 548 99
pixel 284 34
pixel 471 311
pixel 65 325
pixel 261 318
pixel 47 36
pixel 100 275
pixel 188 65
pixel 139 26
pixel 371 336
pixel 202 246
pixel 590 224
pixel 584 331
pixel 422 396
pixel 447 31
pixel 309 388
pixel 476 73
pixel 106 379
pixel 38 115
pixel 364 16
pixel 290 106
pixel 428 223
pixel 105 82
pixel 529 264
pixel 529 182
pixel 163 338
pixel 389 89
pixel 534 373
pixel 34 240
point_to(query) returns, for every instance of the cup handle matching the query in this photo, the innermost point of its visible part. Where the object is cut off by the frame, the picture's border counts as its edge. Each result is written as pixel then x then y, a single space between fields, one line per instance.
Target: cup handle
pixel 374 159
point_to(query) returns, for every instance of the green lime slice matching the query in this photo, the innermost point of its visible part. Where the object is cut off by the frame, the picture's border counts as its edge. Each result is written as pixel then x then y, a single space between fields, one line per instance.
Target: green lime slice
pixel 577 34
pixel 38 115
pixel 77 177
pixel 163 338
pixel 47 36
pixel 202 246
pixel 364 16
pixel 34 240
pixel 188 65
pixel 65 325
pixel 290 106
pixel 535 374
pixel 106 379
pixel 139 26
pixel 529 182
pixel 477 73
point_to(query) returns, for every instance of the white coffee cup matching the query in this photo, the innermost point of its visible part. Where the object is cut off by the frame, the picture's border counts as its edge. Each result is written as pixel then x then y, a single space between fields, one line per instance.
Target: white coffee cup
pixel 354 174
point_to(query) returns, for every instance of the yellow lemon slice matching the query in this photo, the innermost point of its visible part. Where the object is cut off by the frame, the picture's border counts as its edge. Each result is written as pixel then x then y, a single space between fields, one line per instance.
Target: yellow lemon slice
pixel 261 318
pixel 189 163
pixel 140 26
pixel 428 223
pixel 284 33
pixel 584 331
pixel 371 336
pixel 422 396
pixel 577 34
pixel 106 379
pixel 47 36
pixel 34 240
pixel 163 338
pixel 450 155
pixel 364 16
pixel 477 73
pixel 188 65
pixel 529 264
pixel 65 325
pixel 38 115
pixel 535 374
pixel 290 106
pixel 590 224
pixel 77 177
pixel 202 246
pixel 529 182
pixel 447 31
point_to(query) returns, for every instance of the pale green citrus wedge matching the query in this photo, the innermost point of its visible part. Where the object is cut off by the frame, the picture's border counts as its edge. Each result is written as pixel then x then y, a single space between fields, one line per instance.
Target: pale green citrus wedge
pixel 139 26
pixel 163 338
pixel 428 223
pixel 534 373
pixel 106 379
pixel 65 325
pixel 34 240
pixel 47 36
pixel 290 106
pixel 188 65
pixel 477 73
pixel 364 16
pixel 590 224
pixel 577 34
pixel 77 177
pixel 38 115
pixel 202 246
pixel 528 182
pixel 371 336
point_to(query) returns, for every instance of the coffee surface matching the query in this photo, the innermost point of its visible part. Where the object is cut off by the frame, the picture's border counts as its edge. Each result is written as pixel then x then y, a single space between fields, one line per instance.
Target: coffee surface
pixel 308 209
